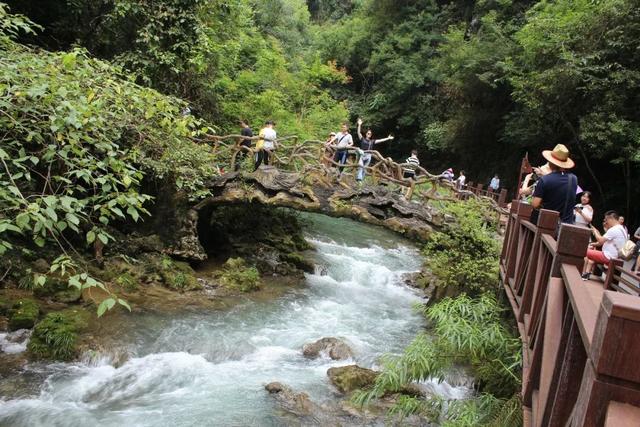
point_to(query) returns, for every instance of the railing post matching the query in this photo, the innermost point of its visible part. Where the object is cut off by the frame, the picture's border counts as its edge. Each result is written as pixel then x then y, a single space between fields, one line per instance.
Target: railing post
pixel 502 199
pixel 572 247
pixel 611 272
pixel 479 189
pixel 523 213
pixel 611 373
pixel 533 289
pixel 508 233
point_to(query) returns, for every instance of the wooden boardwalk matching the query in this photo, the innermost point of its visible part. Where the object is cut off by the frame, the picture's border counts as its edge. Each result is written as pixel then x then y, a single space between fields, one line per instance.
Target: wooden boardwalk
pixel 580 339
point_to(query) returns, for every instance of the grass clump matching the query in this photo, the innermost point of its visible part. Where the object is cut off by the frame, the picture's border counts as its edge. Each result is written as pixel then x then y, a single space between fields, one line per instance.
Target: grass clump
pixel 236 274
pixel 55 337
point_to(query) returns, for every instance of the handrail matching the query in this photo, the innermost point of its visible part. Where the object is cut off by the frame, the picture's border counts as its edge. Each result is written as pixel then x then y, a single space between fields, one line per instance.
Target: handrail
pixel 315 155
pixel 580 339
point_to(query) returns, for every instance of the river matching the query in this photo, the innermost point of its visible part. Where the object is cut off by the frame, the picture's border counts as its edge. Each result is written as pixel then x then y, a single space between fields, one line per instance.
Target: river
pixel 210 368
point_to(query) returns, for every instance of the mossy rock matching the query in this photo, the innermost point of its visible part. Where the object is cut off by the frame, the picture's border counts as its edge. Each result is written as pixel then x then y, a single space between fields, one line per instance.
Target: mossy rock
pixel 58 288
pixel 126 281
pixel 178 275
pixel 56 336
pixel 5 306
pixel 352 377
pixel 23 314
pixel 236 274
pixel 299 261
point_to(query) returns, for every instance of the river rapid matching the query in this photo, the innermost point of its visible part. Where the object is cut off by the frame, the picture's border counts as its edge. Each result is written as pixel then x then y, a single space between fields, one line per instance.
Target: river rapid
pixel 210 368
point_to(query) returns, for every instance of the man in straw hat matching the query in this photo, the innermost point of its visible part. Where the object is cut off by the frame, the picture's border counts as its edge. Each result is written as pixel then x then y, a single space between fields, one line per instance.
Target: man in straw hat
pixel 556 191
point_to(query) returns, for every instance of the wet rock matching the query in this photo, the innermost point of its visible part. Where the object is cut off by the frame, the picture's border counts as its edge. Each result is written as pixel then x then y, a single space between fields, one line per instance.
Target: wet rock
pixel 335 348
pixel 40 266
pixel 349 378
pixel 298 261
pixel 295 403
pixel 145 244
pixel 23 314
pixel 419 280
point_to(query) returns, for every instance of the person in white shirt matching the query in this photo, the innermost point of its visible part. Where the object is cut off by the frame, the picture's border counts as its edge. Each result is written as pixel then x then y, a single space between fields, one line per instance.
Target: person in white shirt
pixel 611 242
pixel 342 142
pixel 583 211
pixel 266 144
pixel 460 181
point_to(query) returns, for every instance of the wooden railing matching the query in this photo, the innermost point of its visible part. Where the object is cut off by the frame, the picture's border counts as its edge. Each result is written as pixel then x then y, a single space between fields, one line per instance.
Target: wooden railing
pixel 312 155
pixel 500 197
pixel 580 339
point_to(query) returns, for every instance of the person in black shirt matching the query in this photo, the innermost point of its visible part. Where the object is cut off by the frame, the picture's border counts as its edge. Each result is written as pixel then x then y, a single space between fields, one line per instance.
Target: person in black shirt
pixel 243 142
pixel 557 190
pixel 367 143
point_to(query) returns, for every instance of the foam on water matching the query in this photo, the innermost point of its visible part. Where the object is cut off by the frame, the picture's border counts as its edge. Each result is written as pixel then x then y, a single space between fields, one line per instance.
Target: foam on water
pixel 210 368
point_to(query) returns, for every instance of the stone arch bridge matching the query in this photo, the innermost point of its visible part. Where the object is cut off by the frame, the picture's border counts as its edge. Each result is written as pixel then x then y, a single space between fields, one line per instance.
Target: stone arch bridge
pixel 303 176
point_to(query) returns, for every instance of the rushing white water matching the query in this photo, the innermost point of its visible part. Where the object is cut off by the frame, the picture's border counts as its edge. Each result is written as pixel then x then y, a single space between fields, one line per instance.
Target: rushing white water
pixel 210 368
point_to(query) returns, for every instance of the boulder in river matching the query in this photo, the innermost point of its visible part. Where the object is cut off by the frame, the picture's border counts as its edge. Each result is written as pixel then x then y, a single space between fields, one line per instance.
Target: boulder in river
pixel 351 377
pixel 295 403
pixel 335 348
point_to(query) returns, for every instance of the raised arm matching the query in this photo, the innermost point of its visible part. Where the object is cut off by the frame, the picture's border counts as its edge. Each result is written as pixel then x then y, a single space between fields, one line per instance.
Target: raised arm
pixel 389 138
pixel 359 128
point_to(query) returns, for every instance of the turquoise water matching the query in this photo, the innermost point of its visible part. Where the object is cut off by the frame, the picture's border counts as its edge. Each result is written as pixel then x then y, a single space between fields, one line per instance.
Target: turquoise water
pixel 210 368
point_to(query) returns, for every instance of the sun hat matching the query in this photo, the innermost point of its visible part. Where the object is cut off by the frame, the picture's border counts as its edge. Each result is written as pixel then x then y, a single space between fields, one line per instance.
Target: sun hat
pixel 559 156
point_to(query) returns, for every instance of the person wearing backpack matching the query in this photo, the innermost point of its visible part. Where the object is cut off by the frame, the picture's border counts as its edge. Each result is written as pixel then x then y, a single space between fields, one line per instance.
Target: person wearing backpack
pixel 266 144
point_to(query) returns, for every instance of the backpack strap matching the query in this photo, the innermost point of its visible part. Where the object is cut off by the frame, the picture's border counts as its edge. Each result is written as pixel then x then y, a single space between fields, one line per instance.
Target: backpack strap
pixel 570 180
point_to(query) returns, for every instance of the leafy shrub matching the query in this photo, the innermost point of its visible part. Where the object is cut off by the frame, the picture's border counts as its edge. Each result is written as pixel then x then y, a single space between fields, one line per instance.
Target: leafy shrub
pixel 465 255
pixel 468 332
pixel 236 274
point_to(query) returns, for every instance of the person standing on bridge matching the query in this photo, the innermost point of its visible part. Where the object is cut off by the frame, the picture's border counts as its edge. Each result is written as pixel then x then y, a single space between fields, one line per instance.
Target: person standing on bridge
pixel 460 182
pixel 244 143
pixel 266 144
pixel 342 142
pixel 367 143
pixel 556 191
pixel 495 183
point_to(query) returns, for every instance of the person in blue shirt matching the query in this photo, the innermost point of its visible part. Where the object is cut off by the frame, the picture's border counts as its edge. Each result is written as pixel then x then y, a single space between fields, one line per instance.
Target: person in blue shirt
pixel 556 191
pixel 495 183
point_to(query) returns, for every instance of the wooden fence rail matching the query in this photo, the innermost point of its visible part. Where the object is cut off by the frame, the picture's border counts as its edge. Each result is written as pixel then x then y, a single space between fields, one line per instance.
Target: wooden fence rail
pixel 312 155
pixel 580 339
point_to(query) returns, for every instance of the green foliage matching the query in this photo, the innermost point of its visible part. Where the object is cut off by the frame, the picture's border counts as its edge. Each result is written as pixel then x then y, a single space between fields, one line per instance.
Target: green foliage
pixel 465 255
pixel 468 332
pixel 178 275
pixel 23 314
pixel 235 274
pixel 55 336
pixel 12 25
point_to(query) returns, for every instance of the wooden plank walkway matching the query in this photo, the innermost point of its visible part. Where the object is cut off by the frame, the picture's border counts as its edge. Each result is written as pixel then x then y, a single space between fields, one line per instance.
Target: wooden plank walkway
pixel 580 339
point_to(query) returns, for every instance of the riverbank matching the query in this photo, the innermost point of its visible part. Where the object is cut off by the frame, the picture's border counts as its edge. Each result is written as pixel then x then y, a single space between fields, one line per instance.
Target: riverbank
pixel 213 364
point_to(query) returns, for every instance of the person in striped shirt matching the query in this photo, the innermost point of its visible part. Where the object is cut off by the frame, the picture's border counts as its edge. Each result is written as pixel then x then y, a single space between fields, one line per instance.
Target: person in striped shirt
pixel 411 164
